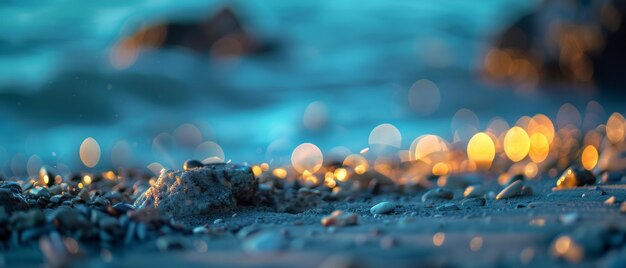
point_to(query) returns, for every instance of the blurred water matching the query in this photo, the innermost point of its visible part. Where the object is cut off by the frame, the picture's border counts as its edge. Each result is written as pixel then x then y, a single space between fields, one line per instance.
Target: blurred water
pixel 359 58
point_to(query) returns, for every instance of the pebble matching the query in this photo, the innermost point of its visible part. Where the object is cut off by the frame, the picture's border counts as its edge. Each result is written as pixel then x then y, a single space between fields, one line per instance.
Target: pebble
pixel 201 230
pixel 11 197
pixel 123 208
pixel 218 221
pixel 40 191
pixel 474 191
pixel 474 202
pixel 574 177
pixel 511 190
pixel 569 218
pixel 383 208
pixel 265 242
pixel 448 207
pixel 340 218
pixel 191 164
pixel 437 193
pixel 611 201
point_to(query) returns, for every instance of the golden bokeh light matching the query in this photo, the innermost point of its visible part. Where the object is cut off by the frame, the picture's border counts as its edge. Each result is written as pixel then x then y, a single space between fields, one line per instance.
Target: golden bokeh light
pixel 516 144
pixel 540 123
pixel 589 157
pixel 280 173
pixel 481 150
pixel 90 152
pixel 539 147
pixel 341 174
pixel 429 149
pixel 616 128
pixel 307 157
pixel 357 162
pixel 385 135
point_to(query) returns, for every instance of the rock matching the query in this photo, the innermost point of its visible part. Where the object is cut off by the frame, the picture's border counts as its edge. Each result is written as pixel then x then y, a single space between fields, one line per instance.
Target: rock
pixel 383 208
pixel 474 202
pixel 218 221
pixel 437 193
pixel 201 230
pixel 448 207
pixel 526 191
pixel 569 218
pixel 123 208
pixel 70 219
pixel 265 242
pixel 611 201
pixel 212 188
pixel 27 219
pixel 474 191
pixel 339 218
pixel 55 190
pixel 11 197
pixel 574 177
pixel 40 192
pixel 511 190
pixel 191 164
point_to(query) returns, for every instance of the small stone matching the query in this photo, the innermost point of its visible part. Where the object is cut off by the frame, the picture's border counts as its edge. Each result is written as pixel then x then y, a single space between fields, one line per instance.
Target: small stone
pixel 191 164
pixel 55 190
pixel 11 197
pixel 265 242
pixel 437 193
pixel 201 230
pixel 40 192
pixel 569 218
pixel 218 221
pixel 575 177
pixel 510 191
pixel 339 218
pixel 448 207
pixel 70 219
pixel 474 191
pixel 123 208
pixel 383 208
pixel 526 191
pixel 199 191
pixel 611 201
pixel 474 202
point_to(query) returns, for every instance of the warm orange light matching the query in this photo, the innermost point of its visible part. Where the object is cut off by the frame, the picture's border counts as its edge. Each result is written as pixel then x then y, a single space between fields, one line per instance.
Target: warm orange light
pixel 256 170
pixel 281 173
pixel 516 144
pixel 357 162
pixel 615 128
pixel 440 169
pixel 481 150
pixel 307 157
pixel 90 152
pixel 429 149
pixel 539 147
pixel 589 157
pixel 540 123
pixel 341 174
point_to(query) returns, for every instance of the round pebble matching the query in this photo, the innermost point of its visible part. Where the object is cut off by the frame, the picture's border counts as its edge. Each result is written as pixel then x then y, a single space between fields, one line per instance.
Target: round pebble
pixel 383 208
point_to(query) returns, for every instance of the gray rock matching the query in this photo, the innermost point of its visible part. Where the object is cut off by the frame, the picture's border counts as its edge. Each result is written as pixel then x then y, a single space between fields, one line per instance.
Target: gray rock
pixel 474 191
pixel 511 190
pixel 40 192
pixel 11 197
pixel 437 193
pixel 448 207
pixel 212 188
pixel 265 242
pixel 383 208
pixel 474 202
